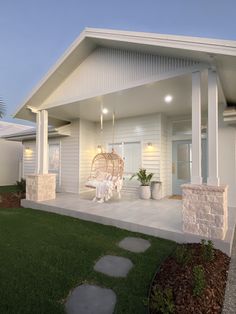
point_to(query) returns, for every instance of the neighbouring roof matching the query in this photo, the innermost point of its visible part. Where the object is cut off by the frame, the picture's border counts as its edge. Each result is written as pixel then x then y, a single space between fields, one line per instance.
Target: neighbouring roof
pixel 7 128
pixel 31 134
pixel 221 53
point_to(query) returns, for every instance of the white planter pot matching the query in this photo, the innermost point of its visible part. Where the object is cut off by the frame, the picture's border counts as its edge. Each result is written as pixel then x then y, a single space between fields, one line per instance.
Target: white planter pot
pixel 156 190
pixel 144 192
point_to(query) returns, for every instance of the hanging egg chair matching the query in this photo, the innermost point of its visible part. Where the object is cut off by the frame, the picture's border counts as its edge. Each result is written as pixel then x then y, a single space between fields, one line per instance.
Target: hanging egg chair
pixel 107 170
pixel 106 173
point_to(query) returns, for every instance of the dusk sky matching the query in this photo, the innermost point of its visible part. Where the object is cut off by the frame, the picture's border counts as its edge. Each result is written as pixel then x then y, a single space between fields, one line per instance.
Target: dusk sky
pixel 34 34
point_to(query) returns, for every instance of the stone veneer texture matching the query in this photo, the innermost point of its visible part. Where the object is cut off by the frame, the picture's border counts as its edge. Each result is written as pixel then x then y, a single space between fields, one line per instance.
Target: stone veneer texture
pixel 205 210
pixel 41 187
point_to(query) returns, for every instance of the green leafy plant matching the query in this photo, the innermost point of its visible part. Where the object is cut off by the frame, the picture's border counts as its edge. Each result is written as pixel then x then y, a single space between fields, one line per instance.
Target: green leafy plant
pixel 199 282
pixel 182 255
pixel 21 185
pixel 207 250
pixel 162 300
pixel 143 177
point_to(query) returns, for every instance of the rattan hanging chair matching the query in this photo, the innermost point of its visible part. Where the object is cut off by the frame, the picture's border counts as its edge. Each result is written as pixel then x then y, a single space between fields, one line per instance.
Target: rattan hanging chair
pixel 107 170
pixel 106 167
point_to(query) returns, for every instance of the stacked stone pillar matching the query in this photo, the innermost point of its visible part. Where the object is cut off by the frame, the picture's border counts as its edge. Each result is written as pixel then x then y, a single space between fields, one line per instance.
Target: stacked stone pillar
pixel 205 210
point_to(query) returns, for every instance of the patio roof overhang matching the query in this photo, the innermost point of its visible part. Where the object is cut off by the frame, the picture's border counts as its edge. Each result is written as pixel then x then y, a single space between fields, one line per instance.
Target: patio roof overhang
pixel 220 53
pixel 137 101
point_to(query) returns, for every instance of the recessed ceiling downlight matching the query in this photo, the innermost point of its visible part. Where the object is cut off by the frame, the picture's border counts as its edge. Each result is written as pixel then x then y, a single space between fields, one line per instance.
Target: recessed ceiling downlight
pixel 105 111
pixel 168 98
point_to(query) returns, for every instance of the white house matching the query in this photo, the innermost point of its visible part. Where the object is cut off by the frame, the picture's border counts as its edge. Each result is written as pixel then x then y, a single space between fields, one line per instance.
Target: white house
pixel 173 98
pixel 11 153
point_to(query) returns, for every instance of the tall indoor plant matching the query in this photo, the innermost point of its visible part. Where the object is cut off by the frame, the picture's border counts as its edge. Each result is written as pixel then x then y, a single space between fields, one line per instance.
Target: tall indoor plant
pixel 145 180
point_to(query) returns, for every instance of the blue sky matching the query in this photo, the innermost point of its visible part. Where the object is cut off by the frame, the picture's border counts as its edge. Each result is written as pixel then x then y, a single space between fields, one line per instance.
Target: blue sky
pixel 34 34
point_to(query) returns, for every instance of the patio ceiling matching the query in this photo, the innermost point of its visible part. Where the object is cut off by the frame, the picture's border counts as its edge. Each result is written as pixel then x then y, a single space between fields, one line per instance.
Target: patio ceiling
pixel 142 100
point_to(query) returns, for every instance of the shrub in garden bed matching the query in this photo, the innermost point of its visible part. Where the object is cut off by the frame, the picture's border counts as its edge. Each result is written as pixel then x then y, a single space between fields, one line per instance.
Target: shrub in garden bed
pixel 192 280
pixel 11 195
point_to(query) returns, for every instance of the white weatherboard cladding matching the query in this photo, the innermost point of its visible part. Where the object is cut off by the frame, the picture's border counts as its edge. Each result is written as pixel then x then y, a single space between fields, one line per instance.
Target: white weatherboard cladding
pixel 87 151
pixel 145 129
pixel 29 158
pixel 69 154
pixel 109 69
pixel 70 160
pixel 166 156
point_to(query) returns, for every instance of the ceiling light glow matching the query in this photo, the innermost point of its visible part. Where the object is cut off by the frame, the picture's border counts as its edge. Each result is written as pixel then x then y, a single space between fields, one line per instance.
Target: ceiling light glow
pixel 105 111
pixel 168 98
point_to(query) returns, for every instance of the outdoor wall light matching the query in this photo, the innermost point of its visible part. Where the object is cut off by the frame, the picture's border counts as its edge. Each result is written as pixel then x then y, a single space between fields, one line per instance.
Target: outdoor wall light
pixel 168 98
pixel 149 145
pixel 99 149
pixel 28 150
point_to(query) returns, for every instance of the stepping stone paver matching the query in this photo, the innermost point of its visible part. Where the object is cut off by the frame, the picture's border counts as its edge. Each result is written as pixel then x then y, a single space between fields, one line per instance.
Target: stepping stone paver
pixel 136 245
pixel 114 266
pixel 89 299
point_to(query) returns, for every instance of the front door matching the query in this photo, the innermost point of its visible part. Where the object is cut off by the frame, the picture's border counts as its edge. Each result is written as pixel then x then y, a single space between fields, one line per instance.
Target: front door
pixel 182 164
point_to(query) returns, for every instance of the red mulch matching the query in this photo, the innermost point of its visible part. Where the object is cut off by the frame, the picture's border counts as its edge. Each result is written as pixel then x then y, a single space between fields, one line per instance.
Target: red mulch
pixel 10 200
pixel 180 280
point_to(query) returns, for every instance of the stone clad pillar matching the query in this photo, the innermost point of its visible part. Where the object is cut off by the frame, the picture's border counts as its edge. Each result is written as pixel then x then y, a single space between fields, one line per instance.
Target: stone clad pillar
pixel 41 186
pixel 196 177
pixel 205 207
pixel 205 210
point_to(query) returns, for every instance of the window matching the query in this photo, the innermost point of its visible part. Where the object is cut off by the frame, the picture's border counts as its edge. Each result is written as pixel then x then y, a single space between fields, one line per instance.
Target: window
pixel 184 161
pixel 54 160
pixel 131 154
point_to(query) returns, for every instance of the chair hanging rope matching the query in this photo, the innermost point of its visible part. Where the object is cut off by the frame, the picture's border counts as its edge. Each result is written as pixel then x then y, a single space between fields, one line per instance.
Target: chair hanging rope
pixel 107 169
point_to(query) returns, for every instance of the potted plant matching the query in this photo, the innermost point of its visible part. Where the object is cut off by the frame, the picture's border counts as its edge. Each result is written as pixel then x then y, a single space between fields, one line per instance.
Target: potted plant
pixel 145 180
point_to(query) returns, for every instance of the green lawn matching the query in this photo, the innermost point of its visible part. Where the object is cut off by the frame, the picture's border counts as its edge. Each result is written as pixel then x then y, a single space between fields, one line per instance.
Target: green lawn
pixel 9 188
pixel 43 256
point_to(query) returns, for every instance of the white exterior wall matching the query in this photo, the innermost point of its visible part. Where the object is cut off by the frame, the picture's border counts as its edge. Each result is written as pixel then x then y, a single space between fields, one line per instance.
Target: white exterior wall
pixel 227 157
pixel 144 129
pixel 10 157
pixel 87 150
pixel 69 154
pixel 70 160
pixel 108 69
pixel 166 156
pixel 29 158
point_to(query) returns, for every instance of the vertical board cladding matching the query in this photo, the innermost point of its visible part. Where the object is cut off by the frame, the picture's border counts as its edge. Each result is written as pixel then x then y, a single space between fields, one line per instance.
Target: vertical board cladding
pixel 87 151
pixel 70 159
pixel 166 156
pixel 143 129
pixel 110 69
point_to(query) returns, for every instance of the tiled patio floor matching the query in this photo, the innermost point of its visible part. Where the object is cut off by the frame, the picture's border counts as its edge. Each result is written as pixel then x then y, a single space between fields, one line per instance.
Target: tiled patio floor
pixel 157 218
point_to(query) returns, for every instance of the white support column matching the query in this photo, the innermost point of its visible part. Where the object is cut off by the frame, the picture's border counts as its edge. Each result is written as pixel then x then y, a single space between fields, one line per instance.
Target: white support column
pixel 43 150
pixel 213 167
pixel 38 126
pixel 196 177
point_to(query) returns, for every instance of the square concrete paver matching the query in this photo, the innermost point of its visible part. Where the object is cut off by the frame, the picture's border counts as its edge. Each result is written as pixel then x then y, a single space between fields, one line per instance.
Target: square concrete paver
pixel 136 245
pixel 89 299
pixel 114 266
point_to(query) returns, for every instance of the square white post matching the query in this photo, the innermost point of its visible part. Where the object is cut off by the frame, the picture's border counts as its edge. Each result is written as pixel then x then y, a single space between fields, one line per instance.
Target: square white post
pixel 38 135
pixel 213 153
pixel 43 150
pixel 196 177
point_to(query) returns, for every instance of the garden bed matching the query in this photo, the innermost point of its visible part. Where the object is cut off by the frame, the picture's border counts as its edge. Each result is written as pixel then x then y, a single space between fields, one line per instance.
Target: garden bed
pixel 192 280
pixel 10 196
